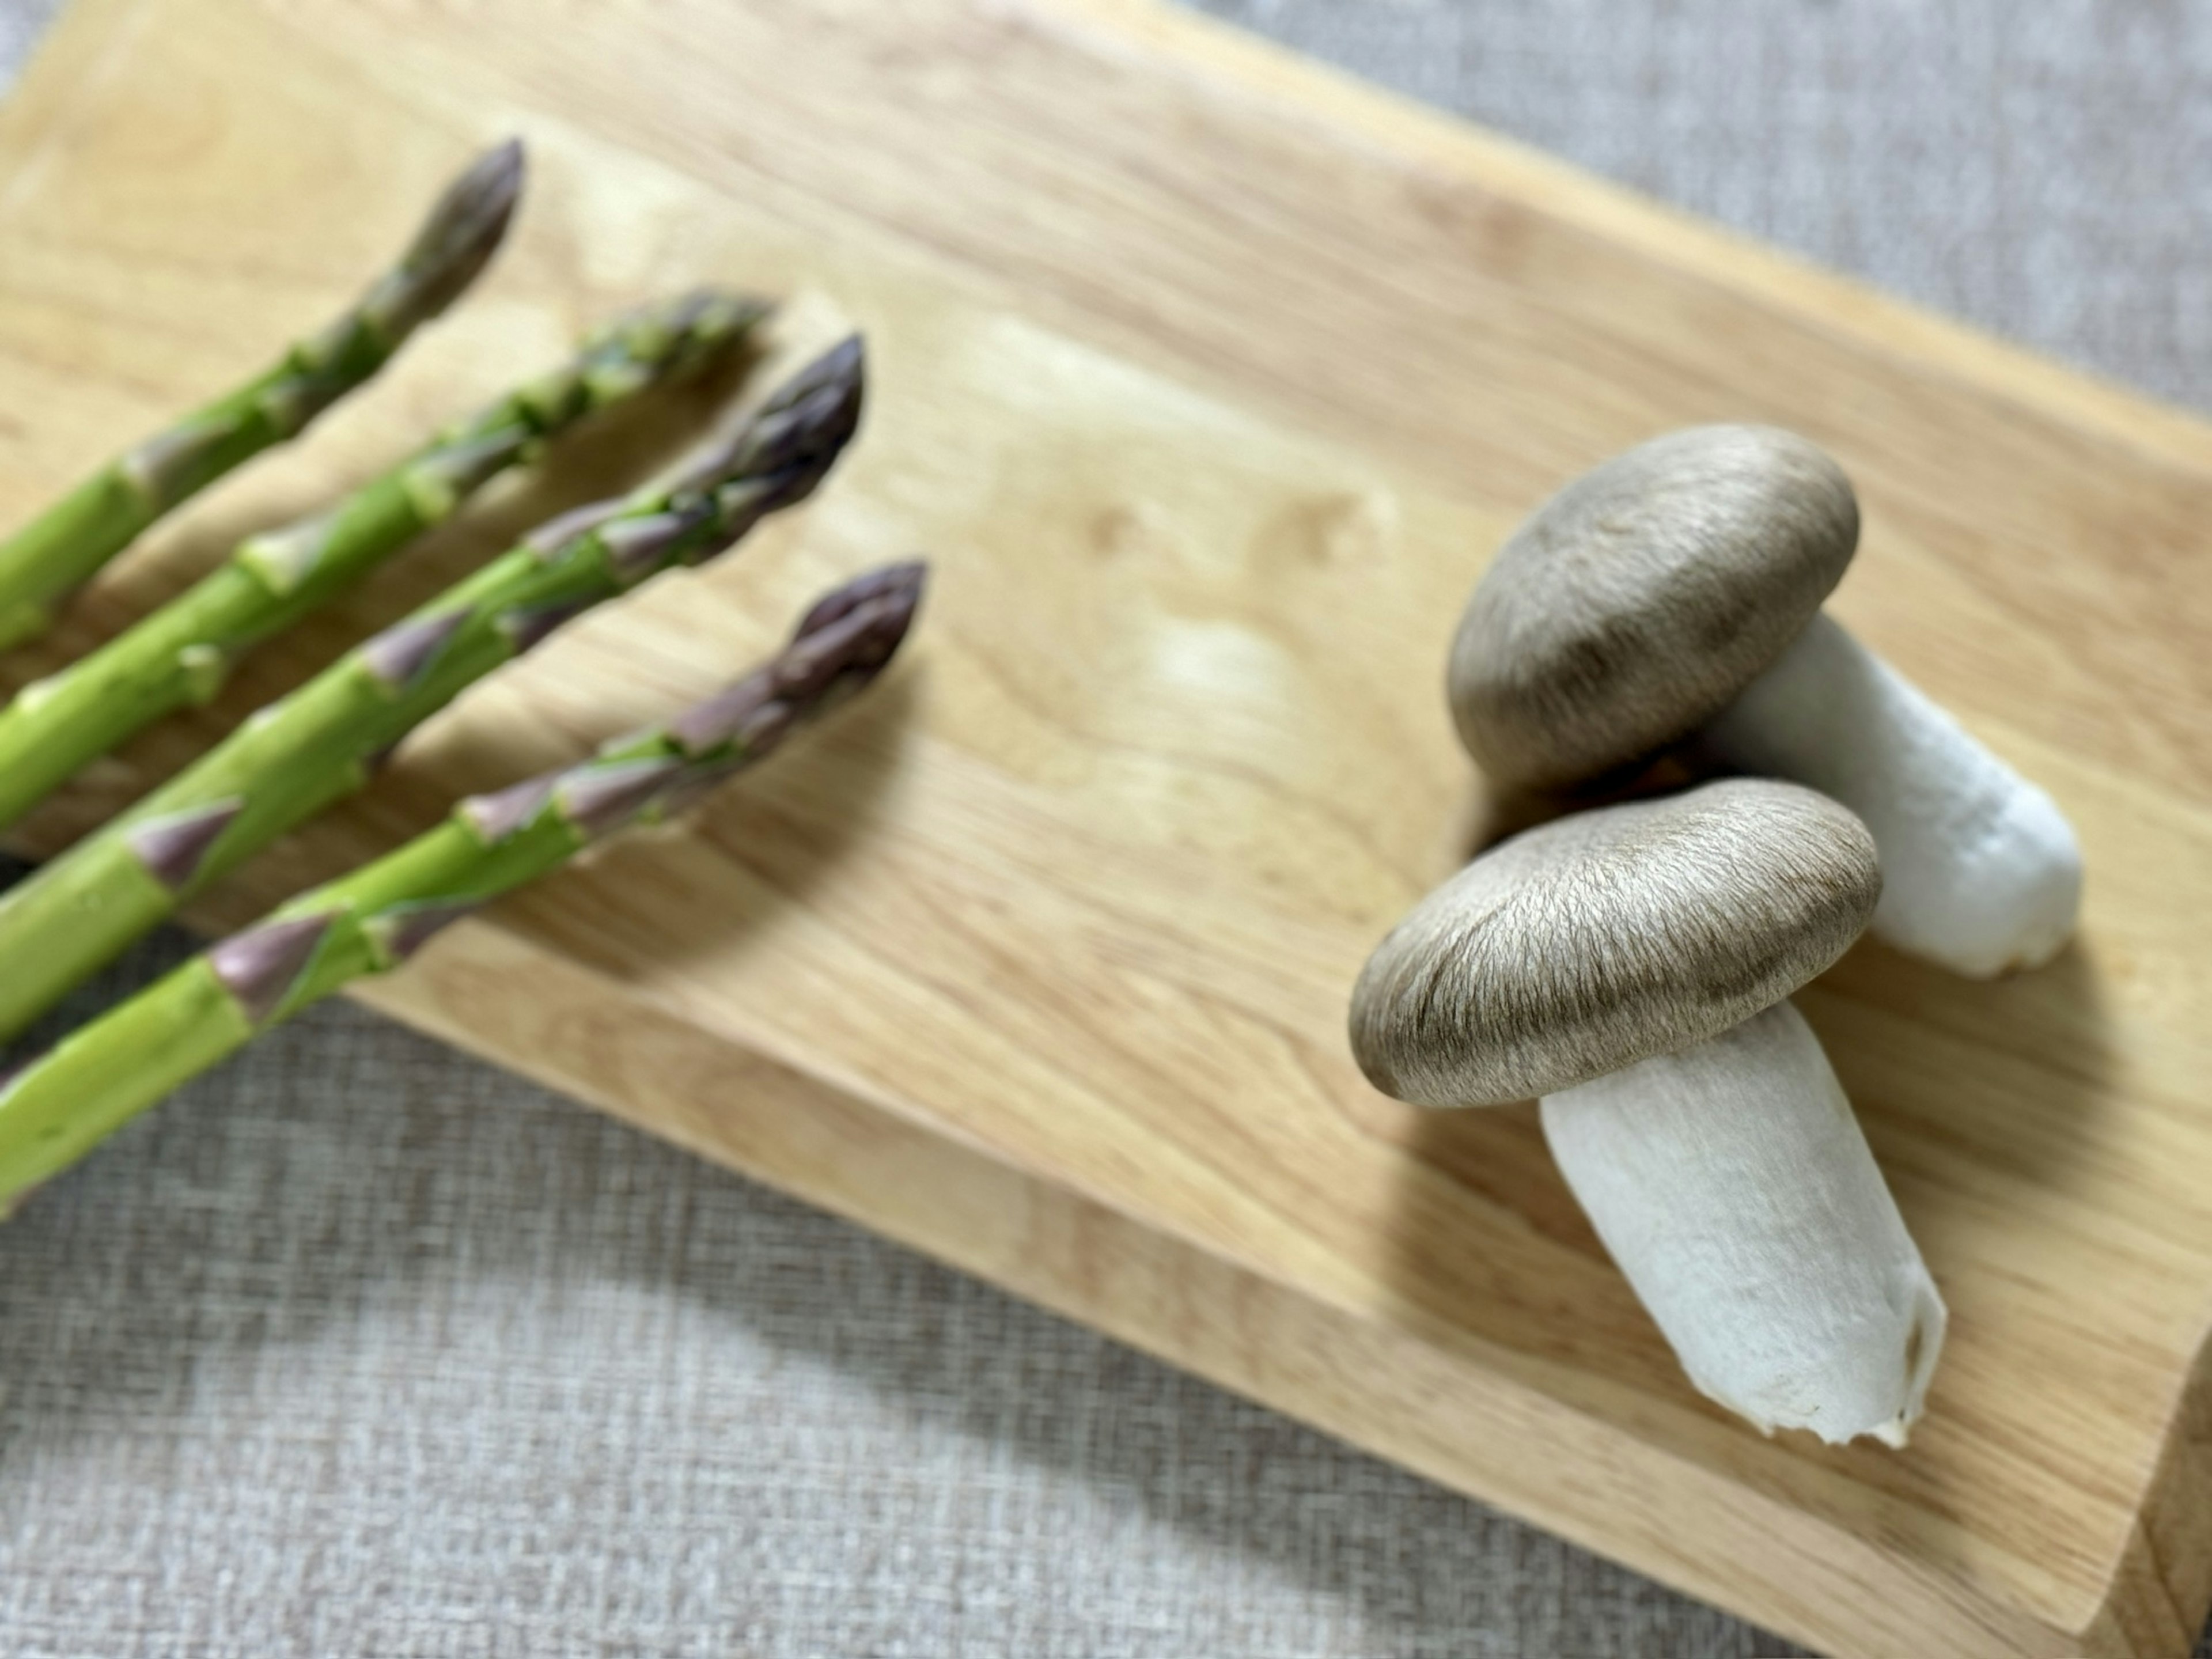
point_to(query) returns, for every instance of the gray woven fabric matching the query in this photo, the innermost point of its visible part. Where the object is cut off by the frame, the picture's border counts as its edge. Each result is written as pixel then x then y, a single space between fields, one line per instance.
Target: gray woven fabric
pixel 361 1348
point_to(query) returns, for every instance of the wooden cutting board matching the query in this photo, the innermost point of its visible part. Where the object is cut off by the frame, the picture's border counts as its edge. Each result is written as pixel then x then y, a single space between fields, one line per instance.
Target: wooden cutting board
pixel 1210 382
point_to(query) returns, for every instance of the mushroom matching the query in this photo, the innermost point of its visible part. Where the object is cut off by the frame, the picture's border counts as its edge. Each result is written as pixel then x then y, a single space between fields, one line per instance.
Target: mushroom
pixel 1675 592
pixel 1633 965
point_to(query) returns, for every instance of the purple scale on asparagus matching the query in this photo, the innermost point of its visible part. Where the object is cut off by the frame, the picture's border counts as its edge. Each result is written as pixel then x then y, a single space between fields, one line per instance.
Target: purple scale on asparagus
pixel 637 545
pixel 500 814
pixel 402 933
pixel 163 467
pixel 286 557
pixel 696 784
pixel 527 628
pixel 260 965
pixel 737 508
pixel 172 848
pixel 398 656
pixel 457 470
pixel 707 725
pixel 598 798
pixel 556 533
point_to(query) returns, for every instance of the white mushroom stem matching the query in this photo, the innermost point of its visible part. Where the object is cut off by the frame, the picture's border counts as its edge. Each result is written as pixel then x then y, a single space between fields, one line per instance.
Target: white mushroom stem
pixel 1981 872
pixel 1734 1188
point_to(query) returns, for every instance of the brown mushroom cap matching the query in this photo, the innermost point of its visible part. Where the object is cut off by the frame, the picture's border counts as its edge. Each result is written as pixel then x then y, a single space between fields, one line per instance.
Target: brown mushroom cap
pixel 1631 607
pixel 1601 940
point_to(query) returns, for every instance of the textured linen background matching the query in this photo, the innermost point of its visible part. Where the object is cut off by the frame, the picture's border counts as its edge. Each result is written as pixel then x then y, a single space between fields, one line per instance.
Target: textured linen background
pixel 362 1348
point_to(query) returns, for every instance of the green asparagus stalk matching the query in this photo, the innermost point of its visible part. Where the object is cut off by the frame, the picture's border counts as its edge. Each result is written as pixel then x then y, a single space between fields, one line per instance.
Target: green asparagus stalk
pixel 179 656
pixel 63 1104
pixel 44 562
pixel 73 915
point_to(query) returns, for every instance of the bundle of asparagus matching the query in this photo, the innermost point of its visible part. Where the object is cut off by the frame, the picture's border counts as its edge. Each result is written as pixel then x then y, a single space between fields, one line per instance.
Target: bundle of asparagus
pixel 321 742
pixel 67 919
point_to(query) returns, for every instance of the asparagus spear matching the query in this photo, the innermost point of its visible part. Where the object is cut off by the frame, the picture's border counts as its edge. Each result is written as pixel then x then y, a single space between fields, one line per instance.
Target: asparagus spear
pixel 180 654
pixel 66 919
pixel 63 1104
pixel 47 559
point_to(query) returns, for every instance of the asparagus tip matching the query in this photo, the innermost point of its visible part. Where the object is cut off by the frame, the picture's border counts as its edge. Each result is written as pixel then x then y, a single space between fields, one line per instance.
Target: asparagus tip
pixel 845 640
pixel 842 368
pixel 850 635
pixel 903 581
pixel 463 230
pixel 806 426
pixel 818 410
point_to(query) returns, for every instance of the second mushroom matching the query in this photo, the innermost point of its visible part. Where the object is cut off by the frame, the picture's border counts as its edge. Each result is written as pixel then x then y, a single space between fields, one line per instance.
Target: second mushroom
pixel 1633 966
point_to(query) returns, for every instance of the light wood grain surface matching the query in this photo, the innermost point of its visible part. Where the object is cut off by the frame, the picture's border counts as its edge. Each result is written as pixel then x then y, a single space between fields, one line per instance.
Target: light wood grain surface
pixel 1209 382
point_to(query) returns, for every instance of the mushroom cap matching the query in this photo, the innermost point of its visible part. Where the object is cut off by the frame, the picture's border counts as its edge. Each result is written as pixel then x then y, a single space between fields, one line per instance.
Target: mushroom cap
pixel 1607 937
pixel 1632 605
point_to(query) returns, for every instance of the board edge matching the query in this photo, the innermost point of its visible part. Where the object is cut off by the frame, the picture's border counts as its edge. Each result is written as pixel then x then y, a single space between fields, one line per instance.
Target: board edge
pixel 1894 329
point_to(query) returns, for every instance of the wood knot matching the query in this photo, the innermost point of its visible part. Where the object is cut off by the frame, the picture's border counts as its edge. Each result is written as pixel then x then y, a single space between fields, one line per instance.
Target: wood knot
pixel 1132 530
pixel 1352 530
